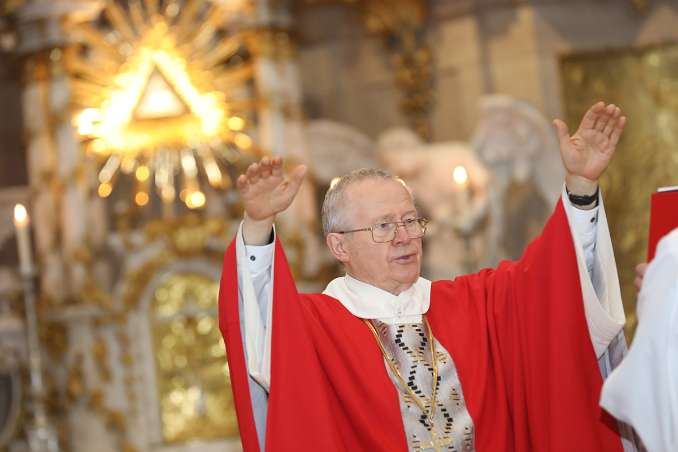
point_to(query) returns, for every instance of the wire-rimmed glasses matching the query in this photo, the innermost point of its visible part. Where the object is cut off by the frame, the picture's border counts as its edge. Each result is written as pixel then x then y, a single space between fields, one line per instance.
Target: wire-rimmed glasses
pixel 386 231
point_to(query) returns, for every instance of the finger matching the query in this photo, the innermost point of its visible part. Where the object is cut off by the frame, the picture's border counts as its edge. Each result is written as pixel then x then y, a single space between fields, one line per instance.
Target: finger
pixel 612 122
pixel 641 269
pixel 297 177
pixel 609 128
pixel 276 166
pixel 253 173
pixel 616 133
pixel 242 183
pixel 266 167
pixel 605 117
pixel 251 170
pixel 563 132
pixel 638 282
pixel 590 117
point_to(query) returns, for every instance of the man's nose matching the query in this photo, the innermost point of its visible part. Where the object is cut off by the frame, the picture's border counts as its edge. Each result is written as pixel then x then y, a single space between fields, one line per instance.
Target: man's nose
pixel 401 235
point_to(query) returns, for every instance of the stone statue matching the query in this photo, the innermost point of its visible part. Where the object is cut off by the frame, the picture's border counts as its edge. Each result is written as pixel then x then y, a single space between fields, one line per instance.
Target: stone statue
pixel 519 147
pixel 456 239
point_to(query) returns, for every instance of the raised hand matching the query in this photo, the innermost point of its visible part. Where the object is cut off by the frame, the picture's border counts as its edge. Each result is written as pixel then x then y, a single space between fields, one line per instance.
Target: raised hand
pixel 265 192
pixel 587 153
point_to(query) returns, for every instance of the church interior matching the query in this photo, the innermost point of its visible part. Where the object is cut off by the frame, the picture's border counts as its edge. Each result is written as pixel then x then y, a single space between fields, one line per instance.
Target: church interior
pixel 126 122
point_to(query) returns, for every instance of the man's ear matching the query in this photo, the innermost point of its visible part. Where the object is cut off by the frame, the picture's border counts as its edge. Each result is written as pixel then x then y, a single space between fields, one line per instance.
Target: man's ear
pixel 336 244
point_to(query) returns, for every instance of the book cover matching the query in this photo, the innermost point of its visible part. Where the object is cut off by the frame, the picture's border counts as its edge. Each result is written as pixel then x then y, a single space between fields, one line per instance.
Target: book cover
pixel 663 216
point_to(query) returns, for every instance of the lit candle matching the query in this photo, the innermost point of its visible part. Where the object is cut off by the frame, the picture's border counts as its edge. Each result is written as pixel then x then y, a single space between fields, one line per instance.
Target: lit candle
pixel 461 180
pixel 460 176
pixel 21 224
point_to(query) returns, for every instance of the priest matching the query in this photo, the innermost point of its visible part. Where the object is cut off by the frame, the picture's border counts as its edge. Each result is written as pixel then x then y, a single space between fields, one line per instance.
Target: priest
pixel 643 389
pixel 508 359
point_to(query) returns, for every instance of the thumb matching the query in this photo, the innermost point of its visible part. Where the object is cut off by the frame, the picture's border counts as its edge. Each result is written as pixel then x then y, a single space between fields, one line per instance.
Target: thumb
pixel 563 132
pixel 297 177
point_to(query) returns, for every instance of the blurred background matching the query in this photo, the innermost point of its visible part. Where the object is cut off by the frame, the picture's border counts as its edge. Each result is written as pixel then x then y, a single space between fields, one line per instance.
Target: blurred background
pixel 125 122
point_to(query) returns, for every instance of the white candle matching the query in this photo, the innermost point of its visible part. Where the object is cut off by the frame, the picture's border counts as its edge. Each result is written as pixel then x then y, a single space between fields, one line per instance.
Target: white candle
pixel 460 176
pixel 461 180
pixel 23 238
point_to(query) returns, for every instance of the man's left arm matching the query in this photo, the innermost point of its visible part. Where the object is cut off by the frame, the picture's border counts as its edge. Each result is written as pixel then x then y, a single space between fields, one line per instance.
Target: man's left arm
pixel 599 281
pixel 586 154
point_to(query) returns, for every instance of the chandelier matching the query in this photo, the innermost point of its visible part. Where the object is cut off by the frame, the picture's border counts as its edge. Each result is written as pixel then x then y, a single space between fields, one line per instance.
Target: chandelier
pixel 162 94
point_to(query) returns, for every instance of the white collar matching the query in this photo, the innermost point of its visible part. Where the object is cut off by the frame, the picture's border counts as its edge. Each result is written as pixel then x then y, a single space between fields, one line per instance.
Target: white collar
pixel 369 302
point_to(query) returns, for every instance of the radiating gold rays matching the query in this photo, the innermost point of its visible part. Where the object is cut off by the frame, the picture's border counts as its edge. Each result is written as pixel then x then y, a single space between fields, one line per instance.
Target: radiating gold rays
pixel 163 94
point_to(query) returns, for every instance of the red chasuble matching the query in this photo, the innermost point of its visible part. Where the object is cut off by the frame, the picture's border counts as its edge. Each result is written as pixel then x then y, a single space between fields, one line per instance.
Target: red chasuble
pixel 517 334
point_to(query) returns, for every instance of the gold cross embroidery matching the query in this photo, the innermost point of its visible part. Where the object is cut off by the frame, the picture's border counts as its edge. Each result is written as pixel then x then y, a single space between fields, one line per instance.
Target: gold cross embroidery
pixel 436 443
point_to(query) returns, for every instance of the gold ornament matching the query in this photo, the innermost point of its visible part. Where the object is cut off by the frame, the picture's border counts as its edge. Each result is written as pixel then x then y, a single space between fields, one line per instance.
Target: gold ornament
pixel 162 97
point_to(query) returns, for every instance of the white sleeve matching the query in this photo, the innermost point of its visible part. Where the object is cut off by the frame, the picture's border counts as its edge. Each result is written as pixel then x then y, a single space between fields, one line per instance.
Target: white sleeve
pixel 255 290
pixel 584 224
pixel 597 273
pixel 643 390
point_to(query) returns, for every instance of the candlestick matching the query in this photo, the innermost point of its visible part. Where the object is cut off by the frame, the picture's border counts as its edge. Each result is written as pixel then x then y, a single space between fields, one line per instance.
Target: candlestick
pixel 23 238
pixel 40 434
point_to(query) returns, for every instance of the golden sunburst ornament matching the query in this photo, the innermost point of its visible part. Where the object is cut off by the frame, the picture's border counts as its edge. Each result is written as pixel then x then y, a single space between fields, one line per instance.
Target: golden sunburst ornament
pixel 162 93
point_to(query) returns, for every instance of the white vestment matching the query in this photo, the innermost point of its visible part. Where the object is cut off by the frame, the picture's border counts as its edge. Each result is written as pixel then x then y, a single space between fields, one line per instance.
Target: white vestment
pixel 643 390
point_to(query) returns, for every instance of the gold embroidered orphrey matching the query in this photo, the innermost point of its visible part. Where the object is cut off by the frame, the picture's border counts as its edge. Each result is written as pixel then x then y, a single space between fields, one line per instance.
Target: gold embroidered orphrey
pixel 436 442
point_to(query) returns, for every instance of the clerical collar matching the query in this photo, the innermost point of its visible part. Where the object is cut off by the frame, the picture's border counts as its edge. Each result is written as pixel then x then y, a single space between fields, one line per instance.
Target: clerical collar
pixel 368 302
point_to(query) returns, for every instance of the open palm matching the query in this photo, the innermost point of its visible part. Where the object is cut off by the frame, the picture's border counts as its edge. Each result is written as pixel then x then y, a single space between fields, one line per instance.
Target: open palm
pixel 264 189
pixel 588 152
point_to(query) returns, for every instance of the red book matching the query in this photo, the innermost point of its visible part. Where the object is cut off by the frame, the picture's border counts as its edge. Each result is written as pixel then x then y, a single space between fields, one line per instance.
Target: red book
pixel 663 216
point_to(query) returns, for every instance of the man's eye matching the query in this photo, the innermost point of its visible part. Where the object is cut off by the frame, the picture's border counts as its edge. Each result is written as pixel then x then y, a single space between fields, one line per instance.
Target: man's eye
pixel 382 226
pixel 410 221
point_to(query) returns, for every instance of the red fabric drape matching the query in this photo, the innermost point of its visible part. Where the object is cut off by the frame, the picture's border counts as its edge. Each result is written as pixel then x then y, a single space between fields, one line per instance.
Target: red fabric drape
pixel 517 335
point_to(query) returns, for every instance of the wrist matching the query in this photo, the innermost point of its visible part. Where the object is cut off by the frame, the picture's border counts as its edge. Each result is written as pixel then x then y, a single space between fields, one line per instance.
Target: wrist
pixel 580 186
pixel 583 202
pixel 257 232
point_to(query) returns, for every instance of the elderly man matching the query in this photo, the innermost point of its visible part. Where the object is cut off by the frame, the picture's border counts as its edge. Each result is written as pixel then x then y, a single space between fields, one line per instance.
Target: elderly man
pixel 507 359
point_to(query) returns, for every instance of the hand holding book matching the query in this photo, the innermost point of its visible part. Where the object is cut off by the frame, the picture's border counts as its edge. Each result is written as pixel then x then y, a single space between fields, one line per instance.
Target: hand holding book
pixel 663 216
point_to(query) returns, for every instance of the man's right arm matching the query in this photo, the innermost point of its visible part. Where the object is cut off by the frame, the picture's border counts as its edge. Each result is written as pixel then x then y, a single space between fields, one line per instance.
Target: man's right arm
pixel 257 232
pixel 265 192
pixel 255 288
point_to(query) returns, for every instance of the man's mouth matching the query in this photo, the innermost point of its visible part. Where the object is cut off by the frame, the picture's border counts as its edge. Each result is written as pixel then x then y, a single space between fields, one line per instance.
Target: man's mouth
pixel 406 259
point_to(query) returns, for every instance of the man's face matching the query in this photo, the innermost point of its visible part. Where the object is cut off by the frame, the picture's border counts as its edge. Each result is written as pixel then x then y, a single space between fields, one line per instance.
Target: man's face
pixel 392 266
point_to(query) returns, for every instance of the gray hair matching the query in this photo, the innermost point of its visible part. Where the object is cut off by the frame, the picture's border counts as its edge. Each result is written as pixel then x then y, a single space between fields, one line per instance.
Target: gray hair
pixel 333 211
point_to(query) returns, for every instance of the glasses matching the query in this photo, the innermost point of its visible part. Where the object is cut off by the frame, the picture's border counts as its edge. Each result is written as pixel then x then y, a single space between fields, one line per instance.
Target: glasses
pixel 386 232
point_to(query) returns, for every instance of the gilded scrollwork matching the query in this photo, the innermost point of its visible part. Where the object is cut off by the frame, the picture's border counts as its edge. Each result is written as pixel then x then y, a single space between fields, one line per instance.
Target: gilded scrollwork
pixel 195 402
pixel 402 24
pixel 641 5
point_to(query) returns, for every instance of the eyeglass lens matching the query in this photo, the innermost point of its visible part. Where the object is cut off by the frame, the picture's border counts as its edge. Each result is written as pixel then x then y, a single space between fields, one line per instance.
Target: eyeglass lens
pixel 385 232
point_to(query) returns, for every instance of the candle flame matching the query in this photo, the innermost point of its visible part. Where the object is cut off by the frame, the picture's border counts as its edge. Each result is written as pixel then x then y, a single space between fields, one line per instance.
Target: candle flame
pixel 460 175
pixel 20 216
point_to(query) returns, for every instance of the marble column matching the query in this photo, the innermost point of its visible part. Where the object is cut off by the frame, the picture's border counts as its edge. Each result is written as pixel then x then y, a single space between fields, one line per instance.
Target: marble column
pixel 58 186
pixel 281 128
pixel 57 192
